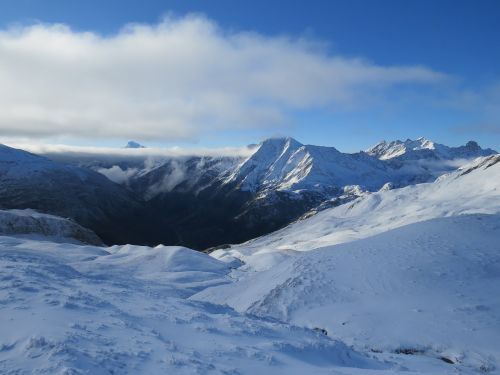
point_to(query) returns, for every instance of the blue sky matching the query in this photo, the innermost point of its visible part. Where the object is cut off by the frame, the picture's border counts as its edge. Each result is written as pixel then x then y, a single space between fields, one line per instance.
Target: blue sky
pixel 457 98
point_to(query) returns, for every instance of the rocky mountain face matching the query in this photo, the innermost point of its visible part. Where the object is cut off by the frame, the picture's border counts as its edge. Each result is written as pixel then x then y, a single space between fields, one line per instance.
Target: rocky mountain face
pixel 205 201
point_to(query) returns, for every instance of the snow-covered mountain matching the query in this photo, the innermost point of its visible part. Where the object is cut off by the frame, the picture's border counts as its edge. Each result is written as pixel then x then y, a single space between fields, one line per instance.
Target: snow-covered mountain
pixel 29 181
pixel 472 189
pixel 284 164
pixel 424 148
pixel 204 201
pixel 281 181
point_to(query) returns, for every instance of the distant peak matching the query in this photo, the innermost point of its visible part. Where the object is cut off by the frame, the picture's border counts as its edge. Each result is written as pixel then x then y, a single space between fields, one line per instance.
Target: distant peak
pixel 133 144
pixel 407 142
pixel 388 150
pixel 472 145
pixel 419 141
pixel 473 148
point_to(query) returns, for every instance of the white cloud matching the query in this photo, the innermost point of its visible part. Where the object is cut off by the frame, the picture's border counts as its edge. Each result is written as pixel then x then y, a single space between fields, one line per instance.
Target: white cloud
pixel 129 153
pixel 174 80
pixel 118 175
pixel 174 177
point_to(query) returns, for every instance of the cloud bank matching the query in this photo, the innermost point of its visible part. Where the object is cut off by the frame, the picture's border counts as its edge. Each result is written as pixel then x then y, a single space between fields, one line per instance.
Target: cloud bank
pixel 175 80
pixel 88 152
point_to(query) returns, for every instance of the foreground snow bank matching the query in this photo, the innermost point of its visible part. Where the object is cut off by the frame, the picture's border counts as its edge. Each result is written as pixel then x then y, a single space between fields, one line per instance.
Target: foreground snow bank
pixel 32 223
pixel 429 288
pixel 184 270
pixel 69 309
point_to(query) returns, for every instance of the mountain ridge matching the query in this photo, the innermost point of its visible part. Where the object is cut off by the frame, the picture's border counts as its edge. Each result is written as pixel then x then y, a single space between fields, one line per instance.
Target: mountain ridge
pixel 396 149
pixel 205 201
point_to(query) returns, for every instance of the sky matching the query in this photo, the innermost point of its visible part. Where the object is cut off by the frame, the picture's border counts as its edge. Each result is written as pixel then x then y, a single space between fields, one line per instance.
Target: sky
pixel 229 73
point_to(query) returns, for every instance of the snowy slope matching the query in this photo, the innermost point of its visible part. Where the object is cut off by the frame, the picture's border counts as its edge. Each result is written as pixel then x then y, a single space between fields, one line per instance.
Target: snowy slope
pixel 428 289
pixel 475 188
pixel 68 309
pixel 34 224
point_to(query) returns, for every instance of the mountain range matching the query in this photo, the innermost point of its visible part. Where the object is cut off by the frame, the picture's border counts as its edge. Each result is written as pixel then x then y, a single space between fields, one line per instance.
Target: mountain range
pixel 206 201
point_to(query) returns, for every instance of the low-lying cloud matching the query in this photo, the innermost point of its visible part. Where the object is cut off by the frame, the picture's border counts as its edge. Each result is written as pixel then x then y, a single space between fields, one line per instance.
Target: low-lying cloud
pixel 174 80
pixel 170 180
pixel 153 153
pixel 118 175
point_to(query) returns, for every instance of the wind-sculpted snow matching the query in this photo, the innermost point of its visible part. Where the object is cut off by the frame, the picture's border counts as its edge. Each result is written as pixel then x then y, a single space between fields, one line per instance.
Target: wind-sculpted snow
pixel 428 289
pixel 68 309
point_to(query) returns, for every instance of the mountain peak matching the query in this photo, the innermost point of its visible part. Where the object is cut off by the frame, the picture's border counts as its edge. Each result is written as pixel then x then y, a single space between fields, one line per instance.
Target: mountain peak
pixel 270 149
pixel 273 147
pixel 281 142
pixel 424 141
pixel 133 144
pixel 473 145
